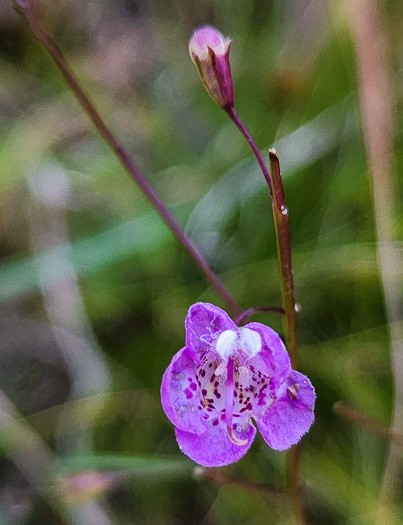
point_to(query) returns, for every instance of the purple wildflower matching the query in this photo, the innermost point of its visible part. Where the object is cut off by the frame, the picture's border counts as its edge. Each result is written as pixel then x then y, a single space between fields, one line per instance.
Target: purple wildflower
pixel 226 376
pixel 209 51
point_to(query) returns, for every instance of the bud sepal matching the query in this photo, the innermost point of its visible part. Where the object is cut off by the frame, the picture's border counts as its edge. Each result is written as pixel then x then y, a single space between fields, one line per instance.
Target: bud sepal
pixel 209 51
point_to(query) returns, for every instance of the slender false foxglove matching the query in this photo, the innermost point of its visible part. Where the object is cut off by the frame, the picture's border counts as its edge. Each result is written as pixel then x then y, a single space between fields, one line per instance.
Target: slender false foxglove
pixel 224 378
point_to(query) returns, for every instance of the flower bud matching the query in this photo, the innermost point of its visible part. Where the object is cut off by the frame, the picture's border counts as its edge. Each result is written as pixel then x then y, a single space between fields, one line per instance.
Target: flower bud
pixel 209 50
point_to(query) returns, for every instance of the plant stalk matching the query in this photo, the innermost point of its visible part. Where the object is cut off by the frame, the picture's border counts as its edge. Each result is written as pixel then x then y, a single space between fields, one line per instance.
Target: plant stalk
pixel 244 316
pixel 25 7
pixel 282 229
pixel 233 115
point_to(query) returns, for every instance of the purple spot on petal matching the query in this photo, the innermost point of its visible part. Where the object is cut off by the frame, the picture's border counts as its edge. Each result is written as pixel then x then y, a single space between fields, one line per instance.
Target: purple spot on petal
pixel 188 394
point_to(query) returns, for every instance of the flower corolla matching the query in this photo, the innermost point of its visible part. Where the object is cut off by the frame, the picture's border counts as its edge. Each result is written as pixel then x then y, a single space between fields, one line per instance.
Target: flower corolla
pixel 225 377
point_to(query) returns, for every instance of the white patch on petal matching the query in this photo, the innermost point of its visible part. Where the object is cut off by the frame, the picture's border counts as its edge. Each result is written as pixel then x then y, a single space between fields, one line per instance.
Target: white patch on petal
pixel 221 369
pixel 244 374
pixel 227 344
pixel 250 342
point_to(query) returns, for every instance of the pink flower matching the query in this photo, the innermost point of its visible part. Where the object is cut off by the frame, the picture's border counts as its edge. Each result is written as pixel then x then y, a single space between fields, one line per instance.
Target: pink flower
pixel 209 50
pixel 224 378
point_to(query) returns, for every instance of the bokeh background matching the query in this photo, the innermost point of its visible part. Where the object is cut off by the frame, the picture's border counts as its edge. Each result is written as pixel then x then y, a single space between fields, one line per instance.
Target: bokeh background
pixel 94 288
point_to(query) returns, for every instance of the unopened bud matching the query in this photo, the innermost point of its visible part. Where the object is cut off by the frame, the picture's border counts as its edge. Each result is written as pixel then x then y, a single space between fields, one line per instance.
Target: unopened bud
pixel 209 50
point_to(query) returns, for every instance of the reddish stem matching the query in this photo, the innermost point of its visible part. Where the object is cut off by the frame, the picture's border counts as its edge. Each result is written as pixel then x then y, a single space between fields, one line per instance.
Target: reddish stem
pixel 255 310
pixel 282 227
pixel 125 159
pixel 233 115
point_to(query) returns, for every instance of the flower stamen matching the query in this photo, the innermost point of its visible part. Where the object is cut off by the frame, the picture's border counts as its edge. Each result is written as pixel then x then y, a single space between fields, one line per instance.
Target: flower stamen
pixel 229 403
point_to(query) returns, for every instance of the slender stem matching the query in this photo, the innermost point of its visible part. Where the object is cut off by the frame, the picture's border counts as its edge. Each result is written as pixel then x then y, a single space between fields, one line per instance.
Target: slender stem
pixel 294 486
pixel 233 115
pixel 375 426
pixel 221 477
pixel 125 159
pixel 257 309
pixel 282 227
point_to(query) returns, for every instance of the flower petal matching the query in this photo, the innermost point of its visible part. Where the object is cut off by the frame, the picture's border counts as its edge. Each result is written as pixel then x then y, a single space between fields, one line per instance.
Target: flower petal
pixel 214 448
pixel 291 415
pixel 273 359
pixel 179 394
pixel 204 323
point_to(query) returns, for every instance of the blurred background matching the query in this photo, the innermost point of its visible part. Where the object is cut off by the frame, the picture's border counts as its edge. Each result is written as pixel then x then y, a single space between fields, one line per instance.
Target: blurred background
pixel 94 288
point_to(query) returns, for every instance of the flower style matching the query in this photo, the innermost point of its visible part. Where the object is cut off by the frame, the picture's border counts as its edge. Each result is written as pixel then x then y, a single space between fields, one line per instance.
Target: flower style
pixel 224 377
pixel 209 51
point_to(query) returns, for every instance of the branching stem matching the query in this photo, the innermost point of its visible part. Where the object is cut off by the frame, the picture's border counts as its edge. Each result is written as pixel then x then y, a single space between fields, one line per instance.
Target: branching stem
pixel 255 310
pixel 282 228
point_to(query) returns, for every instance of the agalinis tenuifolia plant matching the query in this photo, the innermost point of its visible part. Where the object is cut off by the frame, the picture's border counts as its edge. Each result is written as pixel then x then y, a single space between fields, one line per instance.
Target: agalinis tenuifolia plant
pixel 226 376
